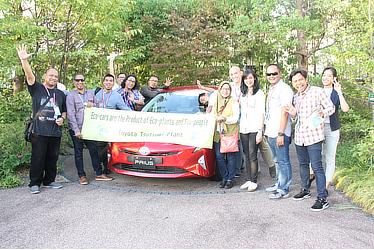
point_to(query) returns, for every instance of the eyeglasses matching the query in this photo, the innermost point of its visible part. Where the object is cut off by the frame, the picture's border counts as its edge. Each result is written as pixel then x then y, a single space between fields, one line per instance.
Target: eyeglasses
pixel 130 80
pixel 272 74
pixel 79 80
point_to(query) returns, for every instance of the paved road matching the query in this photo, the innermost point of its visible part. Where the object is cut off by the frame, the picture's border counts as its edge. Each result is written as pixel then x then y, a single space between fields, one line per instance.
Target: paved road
pixel 190 213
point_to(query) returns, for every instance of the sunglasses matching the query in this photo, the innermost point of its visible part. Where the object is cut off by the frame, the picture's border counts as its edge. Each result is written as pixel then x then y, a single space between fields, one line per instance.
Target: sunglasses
pixel 79 80
pixel 272 74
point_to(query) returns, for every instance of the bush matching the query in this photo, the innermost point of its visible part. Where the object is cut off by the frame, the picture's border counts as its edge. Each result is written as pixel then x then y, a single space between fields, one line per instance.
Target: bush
pixel 14 107
pixel 14 153
pixel 355 170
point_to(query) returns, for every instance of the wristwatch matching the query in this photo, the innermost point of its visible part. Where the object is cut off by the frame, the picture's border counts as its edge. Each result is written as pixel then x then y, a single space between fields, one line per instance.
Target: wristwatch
pixel 280 134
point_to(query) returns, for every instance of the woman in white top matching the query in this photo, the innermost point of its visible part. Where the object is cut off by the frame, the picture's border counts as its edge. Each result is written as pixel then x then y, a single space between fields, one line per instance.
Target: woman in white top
pixel 333 90
pixel 252 110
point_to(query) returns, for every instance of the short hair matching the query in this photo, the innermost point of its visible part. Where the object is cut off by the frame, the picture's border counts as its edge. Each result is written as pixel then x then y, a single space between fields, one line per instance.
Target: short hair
pixel 108 75
pixel 149 78
pixel 200 103
pixel 123 83
pixel 77 74
pixel 256 85
pixel 275 65
pixel 333 71
pixel 303 72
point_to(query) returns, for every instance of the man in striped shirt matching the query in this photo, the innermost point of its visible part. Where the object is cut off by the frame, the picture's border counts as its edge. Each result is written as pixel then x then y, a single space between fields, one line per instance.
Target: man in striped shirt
pixel 311 105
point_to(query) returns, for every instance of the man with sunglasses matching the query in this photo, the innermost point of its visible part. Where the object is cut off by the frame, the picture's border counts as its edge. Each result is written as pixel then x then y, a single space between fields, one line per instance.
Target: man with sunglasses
pixel 278 130
pixel 76 102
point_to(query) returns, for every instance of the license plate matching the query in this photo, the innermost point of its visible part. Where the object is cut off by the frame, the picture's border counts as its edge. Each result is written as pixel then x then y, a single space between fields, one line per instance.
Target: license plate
pixel 144 162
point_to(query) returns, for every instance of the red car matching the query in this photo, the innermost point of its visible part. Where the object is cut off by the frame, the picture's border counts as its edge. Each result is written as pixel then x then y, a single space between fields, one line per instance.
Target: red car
pixel 164 160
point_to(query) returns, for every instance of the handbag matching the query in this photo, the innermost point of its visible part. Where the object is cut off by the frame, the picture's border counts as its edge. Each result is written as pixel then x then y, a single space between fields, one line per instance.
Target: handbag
pixel 29 124
pixel 229 143
pixel 29 129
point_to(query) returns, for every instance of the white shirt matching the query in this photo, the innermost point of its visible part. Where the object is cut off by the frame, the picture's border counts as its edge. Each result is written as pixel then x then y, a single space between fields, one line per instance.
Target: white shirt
pixel 252 110
pixel 280 95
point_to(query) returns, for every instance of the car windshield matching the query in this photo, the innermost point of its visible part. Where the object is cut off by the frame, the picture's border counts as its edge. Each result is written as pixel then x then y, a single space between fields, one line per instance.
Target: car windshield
pixel 182 102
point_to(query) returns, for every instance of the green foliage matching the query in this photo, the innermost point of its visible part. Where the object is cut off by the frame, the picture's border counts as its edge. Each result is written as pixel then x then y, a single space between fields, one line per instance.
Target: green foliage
pixel 355 169
pixel 14 107
pixel 14 153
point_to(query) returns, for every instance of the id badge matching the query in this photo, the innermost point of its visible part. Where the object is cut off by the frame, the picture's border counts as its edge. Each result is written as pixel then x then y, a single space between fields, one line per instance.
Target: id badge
pixel 57 111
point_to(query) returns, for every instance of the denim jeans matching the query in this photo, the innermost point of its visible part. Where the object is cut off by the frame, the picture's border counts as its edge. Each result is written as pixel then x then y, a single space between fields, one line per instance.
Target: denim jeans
pixel 282 156
pixel 102 149
pixel 78 154
pixel 329 151
pixel 226 163
pixel 313 154
pixel 44 156
pixel 250 149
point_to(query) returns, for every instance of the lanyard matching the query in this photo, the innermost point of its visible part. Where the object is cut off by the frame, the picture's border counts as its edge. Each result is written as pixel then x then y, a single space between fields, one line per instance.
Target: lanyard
pixel 49 94
pixel 107 100
pixel 84 97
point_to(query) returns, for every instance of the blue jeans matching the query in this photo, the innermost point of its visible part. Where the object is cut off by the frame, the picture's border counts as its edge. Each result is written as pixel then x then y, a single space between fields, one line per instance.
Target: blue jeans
pixel 313 154
pixel 284 169
pixel 226 163
pixel 78 154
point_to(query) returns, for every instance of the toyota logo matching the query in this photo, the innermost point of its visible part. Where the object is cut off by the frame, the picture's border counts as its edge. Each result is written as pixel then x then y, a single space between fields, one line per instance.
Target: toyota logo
pixel 144 151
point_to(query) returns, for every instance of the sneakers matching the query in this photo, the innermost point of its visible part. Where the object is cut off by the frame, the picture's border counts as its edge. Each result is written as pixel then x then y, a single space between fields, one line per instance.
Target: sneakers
pixel 304 194
pixel 278 195
pixel 35 189
pixel 272 188
pixel 222 184
pixel 83 180
pixel 103 177
pixel 245 185
pixel 319 205
pixel 54 185
pixel 229 184
pixel 252 187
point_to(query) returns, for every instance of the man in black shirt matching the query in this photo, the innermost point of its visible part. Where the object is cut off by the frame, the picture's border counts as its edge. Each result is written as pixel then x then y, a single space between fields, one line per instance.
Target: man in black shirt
pixel 49 113
pixel 152 89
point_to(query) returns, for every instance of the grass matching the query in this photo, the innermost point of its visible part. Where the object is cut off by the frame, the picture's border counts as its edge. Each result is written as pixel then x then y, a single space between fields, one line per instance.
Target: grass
pixel 353 178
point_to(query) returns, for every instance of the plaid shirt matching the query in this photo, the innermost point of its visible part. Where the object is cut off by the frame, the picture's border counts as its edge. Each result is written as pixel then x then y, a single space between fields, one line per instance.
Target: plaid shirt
pixel 312 100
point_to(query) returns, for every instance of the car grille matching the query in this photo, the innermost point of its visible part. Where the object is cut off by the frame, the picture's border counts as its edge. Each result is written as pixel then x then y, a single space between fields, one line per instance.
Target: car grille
pixel 152 154
pixel 157 170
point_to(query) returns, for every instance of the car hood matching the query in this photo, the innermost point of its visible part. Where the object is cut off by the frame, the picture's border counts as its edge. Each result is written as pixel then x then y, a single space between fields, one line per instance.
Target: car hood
pixel 153 146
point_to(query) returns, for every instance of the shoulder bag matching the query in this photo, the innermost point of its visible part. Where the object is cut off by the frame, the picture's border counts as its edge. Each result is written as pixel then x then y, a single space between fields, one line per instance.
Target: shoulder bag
pixel 29 124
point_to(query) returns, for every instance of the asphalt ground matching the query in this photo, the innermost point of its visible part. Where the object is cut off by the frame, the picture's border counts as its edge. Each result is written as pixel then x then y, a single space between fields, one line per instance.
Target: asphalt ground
pixel 132 212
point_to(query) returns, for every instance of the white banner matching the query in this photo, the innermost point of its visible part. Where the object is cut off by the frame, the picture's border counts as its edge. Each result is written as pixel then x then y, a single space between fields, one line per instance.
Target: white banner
pixel 130 126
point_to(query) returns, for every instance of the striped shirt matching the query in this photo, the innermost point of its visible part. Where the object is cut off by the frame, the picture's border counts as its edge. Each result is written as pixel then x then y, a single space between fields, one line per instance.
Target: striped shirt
pixel 309 128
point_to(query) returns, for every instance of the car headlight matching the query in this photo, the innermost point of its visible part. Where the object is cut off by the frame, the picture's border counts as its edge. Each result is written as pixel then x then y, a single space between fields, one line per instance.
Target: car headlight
pixel 201 161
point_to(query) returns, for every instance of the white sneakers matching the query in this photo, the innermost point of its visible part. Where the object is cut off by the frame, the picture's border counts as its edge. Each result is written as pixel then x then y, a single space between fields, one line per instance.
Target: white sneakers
pixel 251 186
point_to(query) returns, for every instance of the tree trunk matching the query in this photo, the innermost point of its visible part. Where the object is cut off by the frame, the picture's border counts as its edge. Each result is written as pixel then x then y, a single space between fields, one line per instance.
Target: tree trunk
pixel 302 50
pixel 64 59
pixel 17 84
